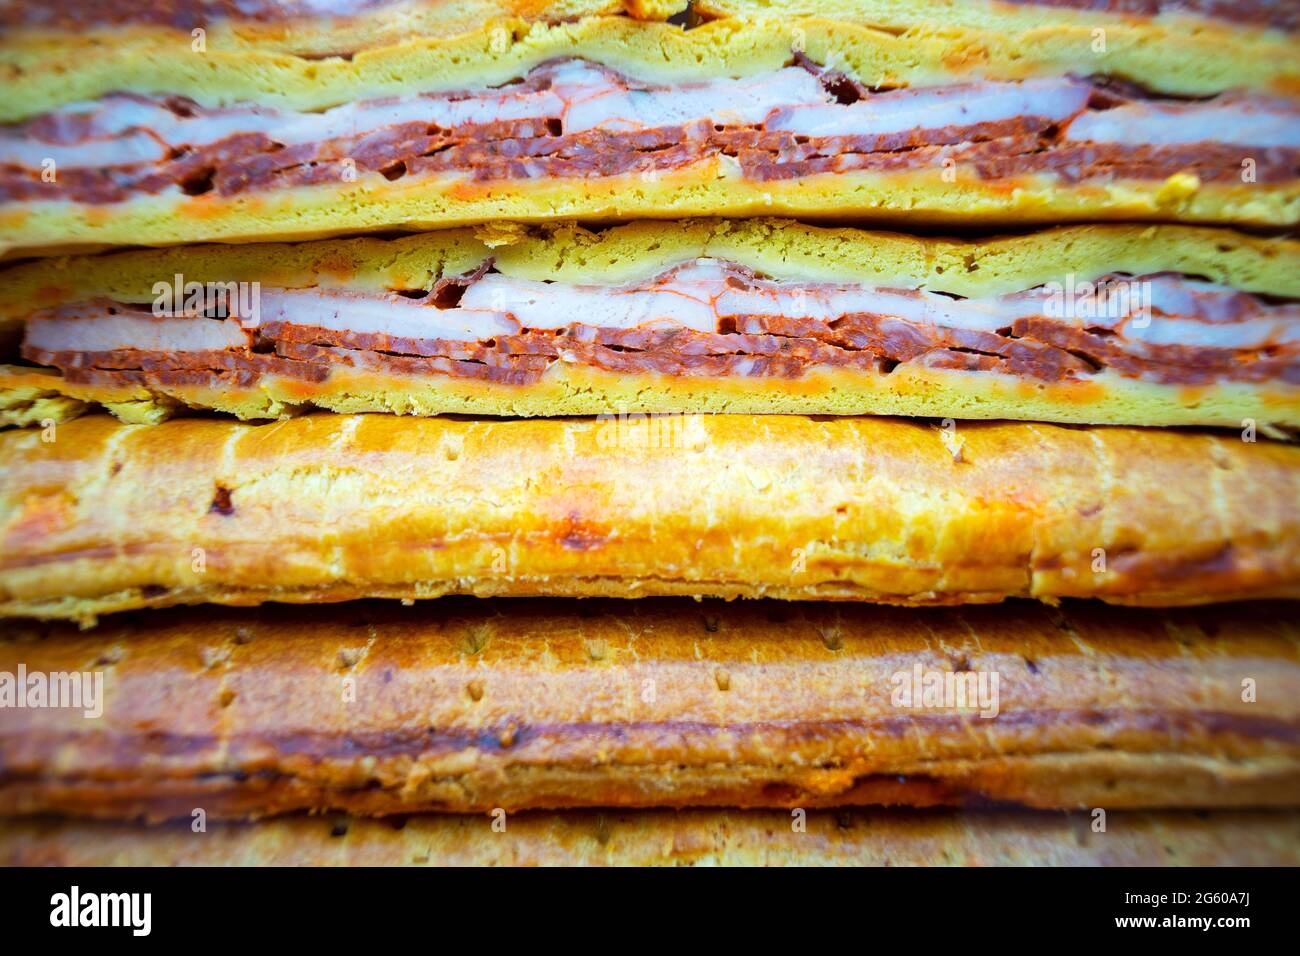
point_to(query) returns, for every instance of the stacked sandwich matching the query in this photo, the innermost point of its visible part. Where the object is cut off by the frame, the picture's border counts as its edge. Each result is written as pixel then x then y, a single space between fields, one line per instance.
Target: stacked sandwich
pixel 410 468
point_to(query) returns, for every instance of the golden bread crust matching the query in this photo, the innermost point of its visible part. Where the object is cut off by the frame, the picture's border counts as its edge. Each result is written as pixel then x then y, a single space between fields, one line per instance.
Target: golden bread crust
pixel 462 706
pixel 675 838
pixel 97 516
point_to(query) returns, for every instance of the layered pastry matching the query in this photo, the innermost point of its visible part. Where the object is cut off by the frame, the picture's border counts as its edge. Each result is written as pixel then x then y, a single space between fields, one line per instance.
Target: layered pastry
pixel 618 118
pixel 98 516
pixel 466 706
pixel 675 838
pixel 1165 325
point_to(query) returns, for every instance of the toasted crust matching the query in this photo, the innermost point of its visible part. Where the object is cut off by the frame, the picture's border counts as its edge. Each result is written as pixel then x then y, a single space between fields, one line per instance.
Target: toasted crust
pixel 464 707
pixel 504 50
pixel 568 253
pixel 99 516
pixel 667 838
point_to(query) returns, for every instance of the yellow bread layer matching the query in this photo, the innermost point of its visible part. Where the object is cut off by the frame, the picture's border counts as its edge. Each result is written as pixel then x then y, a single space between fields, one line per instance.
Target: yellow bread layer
pixel 383 25
pixel 98 516
pixel 780 249
pixel 1176 27
pixel 35 397
pixel 502 50
pixel 676 838
pixel 714 186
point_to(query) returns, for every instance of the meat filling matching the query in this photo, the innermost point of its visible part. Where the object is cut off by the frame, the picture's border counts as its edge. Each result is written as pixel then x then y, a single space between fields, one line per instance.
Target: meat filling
pixel 701 318
pixel 575 119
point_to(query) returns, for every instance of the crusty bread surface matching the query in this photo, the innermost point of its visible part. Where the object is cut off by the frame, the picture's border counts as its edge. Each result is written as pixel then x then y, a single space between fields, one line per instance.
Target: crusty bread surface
pixel 675 838
pixel 98 516
pixel 466 706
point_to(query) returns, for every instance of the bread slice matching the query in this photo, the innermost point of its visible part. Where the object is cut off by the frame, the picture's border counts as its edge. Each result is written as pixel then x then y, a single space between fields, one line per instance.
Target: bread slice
pixel 585 323
pixel 98 516
pixel 1207 25
pixel 466 706
pixel 292 27
pixel 675 838
pixel 690 154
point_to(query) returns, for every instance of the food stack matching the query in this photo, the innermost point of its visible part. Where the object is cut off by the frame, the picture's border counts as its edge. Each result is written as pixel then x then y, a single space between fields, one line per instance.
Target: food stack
pixel 469 365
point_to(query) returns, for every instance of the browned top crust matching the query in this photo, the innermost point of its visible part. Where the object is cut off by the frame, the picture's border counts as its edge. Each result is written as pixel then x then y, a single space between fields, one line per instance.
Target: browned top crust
pixel 668 838
pixel 471 706
pixel 331 507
